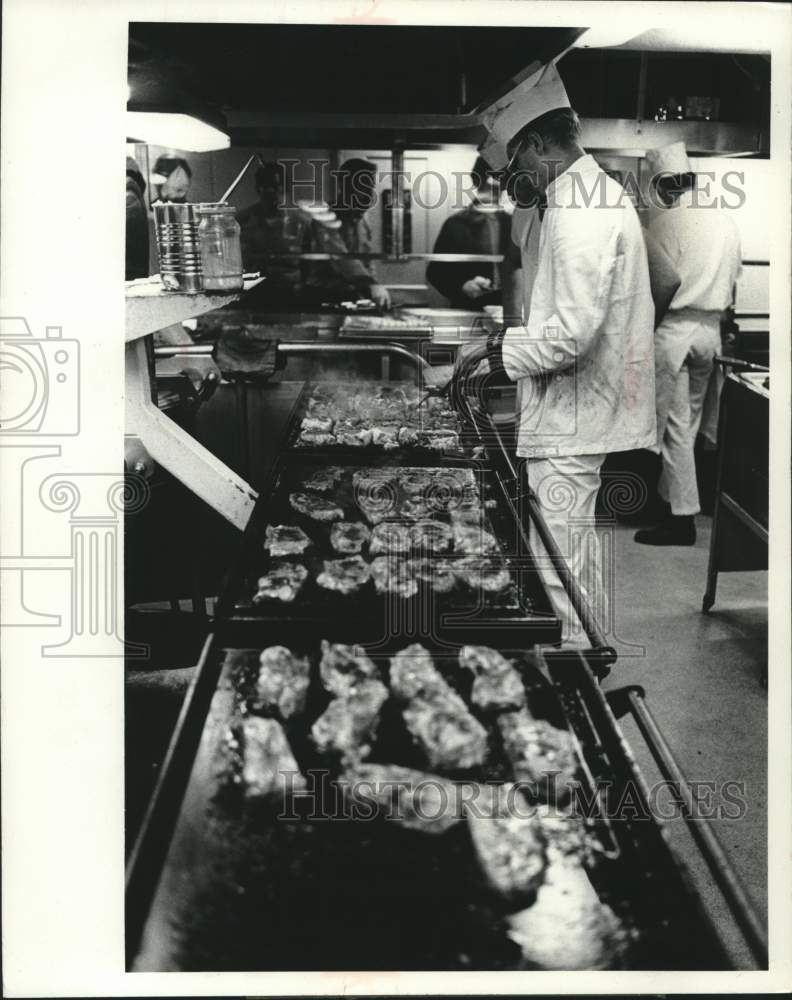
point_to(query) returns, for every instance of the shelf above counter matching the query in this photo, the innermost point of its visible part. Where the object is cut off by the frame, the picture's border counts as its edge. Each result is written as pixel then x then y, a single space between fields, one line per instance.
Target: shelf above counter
pixel 149 307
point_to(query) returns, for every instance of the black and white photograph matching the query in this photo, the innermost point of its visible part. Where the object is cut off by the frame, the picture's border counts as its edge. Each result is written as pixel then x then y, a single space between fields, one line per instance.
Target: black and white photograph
pixel 395 554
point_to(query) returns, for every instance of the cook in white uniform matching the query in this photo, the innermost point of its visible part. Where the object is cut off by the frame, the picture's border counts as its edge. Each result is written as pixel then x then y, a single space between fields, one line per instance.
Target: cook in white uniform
pixel 584 359
pixel 703 244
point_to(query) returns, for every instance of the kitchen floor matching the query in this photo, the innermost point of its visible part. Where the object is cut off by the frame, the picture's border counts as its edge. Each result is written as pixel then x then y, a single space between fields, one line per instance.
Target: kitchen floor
pixel 704 678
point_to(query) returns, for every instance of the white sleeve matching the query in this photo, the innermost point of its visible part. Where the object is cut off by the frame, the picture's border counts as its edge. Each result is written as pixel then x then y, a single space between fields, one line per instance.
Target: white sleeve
pixel 584 252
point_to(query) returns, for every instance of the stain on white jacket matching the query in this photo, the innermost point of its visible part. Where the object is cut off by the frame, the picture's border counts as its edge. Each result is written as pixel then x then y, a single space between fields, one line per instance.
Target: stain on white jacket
pixel 585 358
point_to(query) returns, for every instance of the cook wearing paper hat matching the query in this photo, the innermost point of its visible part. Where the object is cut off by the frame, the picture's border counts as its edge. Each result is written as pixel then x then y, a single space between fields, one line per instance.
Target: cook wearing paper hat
pixel 671 159
pixel 542 92
pixel 582 357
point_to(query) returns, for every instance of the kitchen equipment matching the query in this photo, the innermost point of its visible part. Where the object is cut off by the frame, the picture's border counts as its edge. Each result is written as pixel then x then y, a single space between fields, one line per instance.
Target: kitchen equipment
pixel 215 886
pixel 521 610
pixel 178 246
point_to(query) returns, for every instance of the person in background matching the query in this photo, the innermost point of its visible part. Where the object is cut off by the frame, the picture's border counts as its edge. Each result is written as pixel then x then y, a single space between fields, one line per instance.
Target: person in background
pixel 137 229
pixel 584 358
pixel 171 178
pixel 703 245
pixel 271 227
pixel 481 228
pixel 347 232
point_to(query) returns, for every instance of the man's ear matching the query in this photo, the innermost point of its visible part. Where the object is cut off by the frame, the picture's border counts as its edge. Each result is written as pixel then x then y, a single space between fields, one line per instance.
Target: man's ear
pixel 535 140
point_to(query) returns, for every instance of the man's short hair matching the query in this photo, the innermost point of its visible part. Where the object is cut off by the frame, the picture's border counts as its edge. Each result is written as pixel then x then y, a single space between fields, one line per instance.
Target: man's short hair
pixel 355 165
pixel 270 175
pixel 165 165
pixel 560 127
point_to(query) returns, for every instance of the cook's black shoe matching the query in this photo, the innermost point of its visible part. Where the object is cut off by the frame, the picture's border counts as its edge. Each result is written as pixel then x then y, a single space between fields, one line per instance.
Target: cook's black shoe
pixel 673 531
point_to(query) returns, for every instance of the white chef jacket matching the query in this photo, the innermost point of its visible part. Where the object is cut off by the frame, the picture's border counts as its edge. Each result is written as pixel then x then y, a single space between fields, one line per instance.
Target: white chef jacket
pixel 704 246
pixel 584 359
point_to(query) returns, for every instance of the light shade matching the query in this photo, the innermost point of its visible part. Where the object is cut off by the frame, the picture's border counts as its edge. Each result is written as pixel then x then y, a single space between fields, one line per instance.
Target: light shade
pixel 177 131
pixel 617 32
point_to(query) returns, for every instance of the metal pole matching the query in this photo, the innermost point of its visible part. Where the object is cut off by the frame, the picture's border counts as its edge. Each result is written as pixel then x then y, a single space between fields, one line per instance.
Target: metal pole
pixel 397 201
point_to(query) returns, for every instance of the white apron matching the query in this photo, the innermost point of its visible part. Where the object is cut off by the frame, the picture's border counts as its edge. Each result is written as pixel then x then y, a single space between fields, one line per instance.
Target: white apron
pixel 674 337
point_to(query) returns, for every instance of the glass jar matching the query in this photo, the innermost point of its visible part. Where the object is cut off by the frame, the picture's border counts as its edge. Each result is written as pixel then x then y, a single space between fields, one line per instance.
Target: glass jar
pixel 221 251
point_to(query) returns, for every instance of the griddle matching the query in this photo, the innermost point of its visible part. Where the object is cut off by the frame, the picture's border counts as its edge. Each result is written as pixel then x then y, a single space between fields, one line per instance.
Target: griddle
pixel 521 616
pixel 241 889
pixel 403 455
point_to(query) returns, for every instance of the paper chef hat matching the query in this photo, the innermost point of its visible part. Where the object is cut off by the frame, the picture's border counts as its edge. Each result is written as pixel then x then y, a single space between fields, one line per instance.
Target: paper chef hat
pixel 670 159
pixel 529 100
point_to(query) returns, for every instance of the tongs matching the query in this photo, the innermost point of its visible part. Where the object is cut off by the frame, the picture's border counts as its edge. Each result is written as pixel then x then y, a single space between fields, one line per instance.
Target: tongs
pixel 442 379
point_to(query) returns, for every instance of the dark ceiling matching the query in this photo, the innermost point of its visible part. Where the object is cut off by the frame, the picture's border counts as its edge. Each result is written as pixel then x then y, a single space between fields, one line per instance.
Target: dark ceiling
pixel 332 68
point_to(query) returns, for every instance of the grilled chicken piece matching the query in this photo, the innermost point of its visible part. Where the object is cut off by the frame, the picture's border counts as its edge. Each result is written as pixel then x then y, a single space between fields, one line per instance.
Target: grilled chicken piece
pixel 392 575
pixel 343 667
pixel 375 494
pixel 414 482
pixel 323 480
pixel 565 834
pixel 497 684
pixel 389 538
pixel 269 769
pixel 385 436
pixel 413 673
pixel 346 576
pixel 349 722
pixel 414 509
pixel 316 439
pixel 316 422
pixel 432 536
pixel 282 681
pixel 452 490
pixel 439 440
pixel 414 799
pixel 567 928
pixel 435 573
pixel 283 582
pixel 540 754
pixel 349 537
pixel 348 433
pixel 510 849
pixel 451 738
pixel 483 573
pixel 470 537
pixel 409 436
pixel 285 540
pixel 316 507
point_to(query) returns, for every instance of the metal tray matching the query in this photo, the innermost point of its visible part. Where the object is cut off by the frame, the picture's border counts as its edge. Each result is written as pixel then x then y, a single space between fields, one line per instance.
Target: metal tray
pixel 520 617
pixel 243 890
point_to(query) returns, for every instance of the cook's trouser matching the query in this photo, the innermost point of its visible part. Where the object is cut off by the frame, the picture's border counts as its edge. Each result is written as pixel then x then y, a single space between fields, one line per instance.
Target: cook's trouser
pixel 567 489
pixel 678 485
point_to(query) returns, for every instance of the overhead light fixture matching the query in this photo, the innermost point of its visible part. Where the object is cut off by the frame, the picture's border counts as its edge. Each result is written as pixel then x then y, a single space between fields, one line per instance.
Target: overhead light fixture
pixel 608 35
pixel 177 131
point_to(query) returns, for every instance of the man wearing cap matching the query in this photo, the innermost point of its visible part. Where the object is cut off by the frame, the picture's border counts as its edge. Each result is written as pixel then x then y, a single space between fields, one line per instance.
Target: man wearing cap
pixel 583 359
pixel 480 228
pixel 703 244
pixel 348 233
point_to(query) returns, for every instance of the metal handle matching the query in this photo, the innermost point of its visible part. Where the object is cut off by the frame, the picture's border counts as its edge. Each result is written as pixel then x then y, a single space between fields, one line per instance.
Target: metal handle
pixel 177 349
pixel 734 892
pixel 746 366
pixel 314 347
